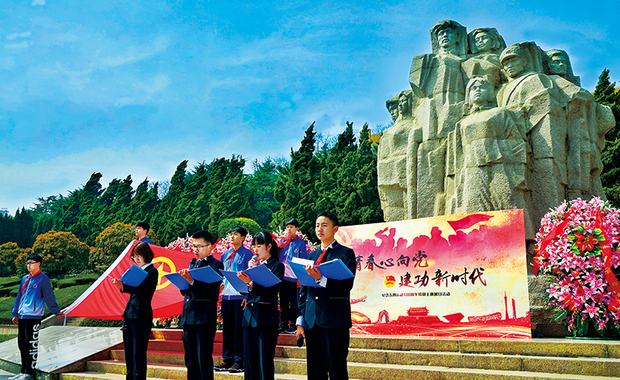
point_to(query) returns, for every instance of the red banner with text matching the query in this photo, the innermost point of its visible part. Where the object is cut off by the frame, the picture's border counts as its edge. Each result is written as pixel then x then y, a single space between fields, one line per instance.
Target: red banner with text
pixel 452 276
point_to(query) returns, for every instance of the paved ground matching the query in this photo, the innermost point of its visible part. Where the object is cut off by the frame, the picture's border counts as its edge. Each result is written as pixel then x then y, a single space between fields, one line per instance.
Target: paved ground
pixel 5 375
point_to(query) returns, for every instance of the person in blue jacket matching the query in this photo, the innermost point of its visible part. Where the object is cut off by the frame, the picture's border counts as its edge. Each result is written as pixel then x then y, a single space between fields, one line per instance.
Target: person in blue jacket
pixel 260 315
pixel 142 229
pixel 35 291
pixel 199 318
pixel 234 259
pixel 325 310
pixel 289 295
pixel 138 314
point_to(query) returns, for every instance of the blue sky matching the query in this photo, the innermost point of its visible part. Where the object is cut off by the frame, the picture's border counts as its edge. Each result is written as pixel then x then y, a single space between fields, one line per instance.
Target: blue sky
pixel 135 87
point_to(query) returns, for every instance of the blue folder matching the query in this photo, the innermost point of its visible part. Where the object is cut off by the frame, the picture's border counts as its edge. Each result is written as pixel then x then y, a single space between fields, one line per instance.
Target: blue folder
pixel 335 269
pixel 235 281
pixel 133 276
pixel 302 276
pixel 205 274
pixel 261 275
pixel 177 280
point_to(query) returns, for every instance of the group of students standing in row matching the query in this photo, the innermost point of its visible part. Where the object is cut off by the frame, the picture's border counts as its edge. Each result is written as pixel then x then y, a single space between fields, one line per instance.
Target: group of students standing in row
pixel 250 319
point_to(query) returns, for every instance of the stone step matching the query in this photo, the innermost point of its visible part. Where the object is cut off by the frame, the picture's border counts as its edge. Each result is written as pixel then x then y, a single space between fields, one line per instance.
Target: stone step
pixel 601 369
pixel 114 376
pixel 549 364
pixel 537 347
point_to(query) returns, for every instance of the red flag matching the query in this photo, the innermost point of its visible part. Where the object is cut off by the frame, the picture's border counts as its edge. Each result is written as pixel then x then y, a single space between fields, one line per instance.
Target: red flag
pixel 103 300
pixel 468 221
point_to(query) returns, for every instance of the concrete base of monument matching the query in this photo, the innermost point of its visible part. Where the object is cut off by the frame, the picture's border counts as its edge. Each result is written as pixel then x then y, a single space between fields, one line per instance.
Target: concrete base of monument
pixel 62 349
pixel 541 318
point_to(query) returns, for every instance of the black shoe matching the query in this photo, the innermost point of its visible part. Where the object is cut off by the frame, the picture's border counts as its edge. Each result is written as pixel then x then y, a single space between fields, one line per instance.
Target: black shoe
pixel 291 330
pixel 223 367
pixel 236 368
pixel 282 328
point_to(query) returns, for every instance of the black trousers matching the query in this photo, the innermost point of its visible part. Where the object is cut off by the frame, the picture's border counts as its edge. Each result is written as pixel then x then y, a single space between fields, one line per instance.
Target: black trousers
pixel 326 352
pixel 232 332
pixel 198 344
pixel 259 344
pixel 28 343
pixel 289 296
pixel 136 334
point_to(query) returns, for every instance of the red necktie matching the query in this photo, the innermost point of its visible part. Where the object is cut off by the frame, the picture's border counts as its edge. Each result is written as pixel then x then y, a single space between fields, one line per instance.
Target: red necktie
pixel 320 259
pixel 26 283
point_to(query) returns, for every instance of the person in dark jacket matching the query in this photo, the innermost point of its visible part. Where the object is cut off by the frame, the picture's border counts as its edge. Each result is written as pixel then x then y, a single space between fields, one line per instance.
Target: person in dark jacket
pixel 260 315
pixel 199 318
pixel 325 310
pixel 138 315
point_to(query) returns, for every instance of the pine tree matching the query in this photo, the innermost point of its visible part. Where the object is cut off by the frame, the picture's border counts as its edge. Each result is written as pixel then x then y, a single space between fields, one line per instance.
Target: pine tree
pixel 605 93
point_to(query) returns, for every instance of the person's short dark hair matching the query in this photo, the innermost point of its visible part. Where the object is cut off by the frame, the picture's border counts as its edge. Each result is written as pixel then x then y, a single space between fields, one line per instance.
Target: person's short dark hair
pixel 292 222
pixel 242 231
pixel 143 250
pixel 144 225
pixel 329 215
pixel 35 256
pixel 266 238
pixel 204 235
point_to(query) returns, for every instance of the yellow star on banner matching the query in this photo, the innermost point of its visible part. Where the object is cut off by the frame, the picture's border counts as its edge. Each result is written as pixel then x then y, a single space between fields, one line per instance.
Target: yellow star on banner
pixel 171 269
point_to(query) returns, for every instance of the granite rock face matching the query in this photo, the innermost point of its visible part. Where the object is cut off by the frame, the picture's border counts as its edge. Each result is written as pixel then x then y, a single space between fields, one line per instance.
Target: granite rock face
pixel 487 127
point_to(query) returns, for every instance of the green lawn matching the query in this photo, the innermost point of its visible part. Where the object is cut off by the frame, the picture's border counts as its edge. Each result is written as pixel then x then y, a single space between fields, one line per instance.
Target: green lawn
pixel 64 297
pixel 5 337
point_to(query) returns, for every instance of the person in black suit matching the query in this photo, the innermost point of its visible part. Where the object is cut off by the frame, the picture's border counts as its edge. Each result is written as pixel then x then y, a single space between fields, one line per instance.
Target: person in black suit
pixel 199 318
pixel 138 315
pixel 325 311
pixel 260 314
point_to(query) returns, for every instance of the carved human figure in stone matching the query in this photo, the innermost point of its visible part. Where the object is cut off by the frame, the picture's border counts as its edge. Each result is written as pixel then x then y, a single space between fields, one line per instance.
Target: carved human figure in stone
pixel 587 124
pixel 487 157
pixel 392 106
pixel 539 98
pixel 485 46
pixel 558 63
pixel 392 161
pixel 438 90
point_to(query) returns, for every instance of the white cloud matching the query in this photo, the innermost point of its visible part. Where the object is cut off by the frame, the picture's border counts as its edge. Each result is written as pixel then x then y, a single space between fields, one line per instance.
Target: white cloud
pixel 135 53
pixel 38 2
pixel 20 45
pixel 157 84
pixel 13 36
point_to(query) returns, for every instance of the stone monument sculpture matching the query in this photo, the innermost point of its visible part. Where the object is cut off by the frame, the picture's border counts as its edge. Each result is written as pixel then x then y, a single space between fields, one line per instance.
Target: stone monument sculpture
pixel 485 46
pixel 487 127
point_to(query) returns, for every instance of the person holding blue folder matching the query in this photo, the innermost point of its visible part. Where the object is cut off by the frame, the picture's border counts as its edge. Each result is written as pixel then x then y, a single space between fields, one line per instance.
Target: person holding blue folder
pixel 325 310
pixel 234 259
pixel 260 315
pixel 294 246
pixel 138 315
pixel 199 318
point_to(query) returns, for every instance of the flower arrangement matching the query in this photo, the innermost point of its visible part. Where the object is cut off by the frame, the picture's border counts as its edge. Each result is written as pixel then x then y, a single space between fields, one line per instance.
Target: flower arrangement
pixel 182 244
pixel 578 247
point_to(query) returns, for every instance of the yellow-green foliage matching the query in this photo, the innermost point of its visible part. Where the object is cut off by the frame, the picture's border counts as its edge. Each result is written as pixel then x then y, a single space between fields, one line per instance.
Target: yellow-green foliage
pixel 62 252
pixel 110 243
pixel 8 254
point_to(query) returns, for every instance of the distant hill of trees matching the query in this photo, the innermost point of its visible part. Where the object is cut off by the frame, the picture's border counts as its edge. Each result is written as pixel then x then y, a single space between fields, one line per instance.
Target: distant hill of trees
pixel 337 175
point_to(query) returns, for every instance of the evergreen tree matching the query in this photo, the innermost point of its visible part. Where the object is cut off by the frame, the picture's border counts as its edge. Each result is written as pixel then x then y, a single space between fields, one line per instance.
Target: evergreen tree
pixel 231 199
pixel 295 190
pixel 261 189
pixel 605 93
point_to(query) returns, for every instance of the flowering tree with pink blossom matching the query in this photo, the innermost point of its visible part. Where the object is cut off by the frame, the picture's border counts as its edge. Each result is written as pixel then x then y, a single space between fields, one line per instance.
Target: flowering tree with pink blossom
pixel 578 248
